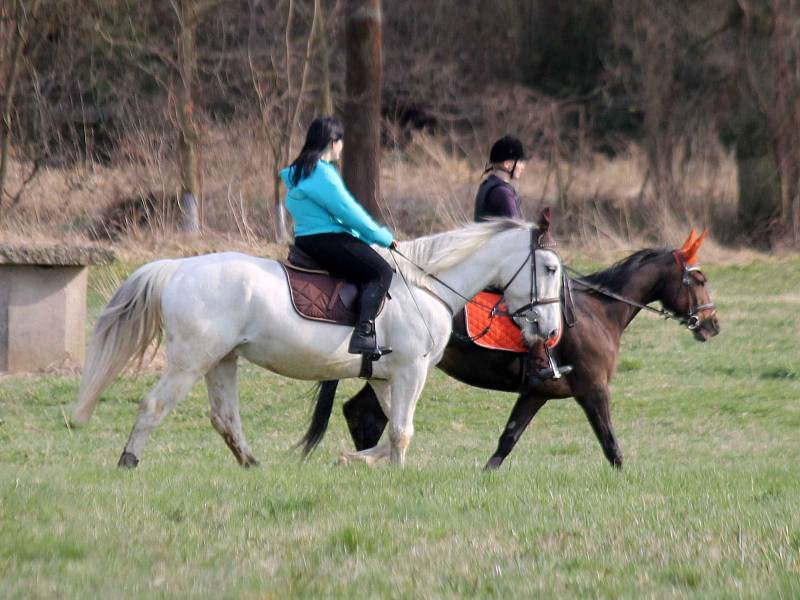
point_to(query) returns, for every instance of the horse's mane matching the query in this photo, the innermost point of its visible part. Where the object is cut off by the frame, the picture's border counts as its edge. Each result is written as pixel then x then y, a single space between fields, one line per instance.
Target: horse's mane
pixel 440 251
pixel 615 277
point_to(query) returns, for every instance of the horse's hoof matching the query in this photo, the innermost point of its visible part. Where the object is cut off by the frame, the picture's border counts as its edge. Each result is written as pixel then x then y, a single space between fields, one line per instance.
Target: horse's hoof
pixel 127 461
pixel 250 462
pixel 493 464
pixel 344 459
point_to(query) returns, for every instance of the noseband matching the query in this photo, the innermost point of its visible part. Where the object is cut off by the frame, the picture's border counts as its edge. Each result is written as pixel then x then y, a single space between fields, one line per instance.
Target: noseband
pixel 692 320
pixel 526 312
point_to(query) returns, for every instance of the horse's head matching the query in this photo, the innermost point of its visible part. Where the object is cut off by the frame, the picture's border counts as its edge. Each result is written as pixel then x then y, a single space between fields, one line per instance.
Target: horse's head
pixel 533 287
pixel 686 293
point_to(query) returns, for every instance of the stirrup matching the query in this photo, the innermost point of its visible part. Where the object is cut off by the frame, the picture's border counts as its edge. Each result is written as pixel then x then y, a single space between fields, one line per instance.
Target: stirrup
pixel 556 370
pixel 553 373
pixel 367 358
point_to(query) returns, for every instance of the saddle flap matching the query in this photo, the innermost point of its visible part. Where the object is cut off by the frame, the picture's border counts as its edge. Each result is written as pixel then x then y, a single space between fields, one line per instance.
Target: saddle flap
pixel 348 294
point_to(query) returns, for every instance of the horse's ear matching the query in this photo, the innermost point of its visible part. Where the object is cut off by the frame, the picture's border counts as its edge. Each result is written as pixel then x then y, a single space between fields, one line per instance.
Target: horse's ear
pixel 689 242
pixel 691 253
pixel 545 239
pixel 544 219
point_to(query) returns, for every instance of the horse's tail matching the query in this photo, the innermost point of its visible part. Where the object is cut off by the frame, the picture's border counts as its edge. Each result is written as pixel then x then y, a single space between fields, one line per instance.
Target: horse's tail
pixel 326 391
pixel 128 324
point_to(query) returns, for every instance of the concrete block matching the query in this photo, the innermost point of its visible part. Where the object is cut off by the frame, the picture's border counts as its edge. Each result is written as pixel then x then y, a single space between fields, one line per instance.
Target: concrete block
pixel 43 307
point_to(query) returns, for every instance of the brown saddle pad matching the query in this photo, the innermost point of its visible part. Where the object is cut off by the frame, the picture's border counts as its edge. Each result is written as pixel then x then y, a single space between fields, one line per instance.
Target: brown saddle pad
pixel 319 296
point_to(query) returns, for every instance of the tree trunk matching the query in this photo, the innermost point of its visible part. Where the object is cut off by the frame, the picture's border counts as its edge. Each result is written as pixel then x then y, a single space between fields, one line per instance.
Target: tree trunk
pixel 188 137
pixel 325 98
pixel 8 100
pixel 362 114
pixel 757 173
pixel 281 232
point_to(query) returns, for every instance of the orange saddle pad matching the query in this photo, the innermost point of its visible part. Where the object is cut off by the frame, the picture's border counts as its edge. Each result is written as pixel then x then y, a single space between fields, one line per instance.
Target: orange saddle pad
pixel 503 333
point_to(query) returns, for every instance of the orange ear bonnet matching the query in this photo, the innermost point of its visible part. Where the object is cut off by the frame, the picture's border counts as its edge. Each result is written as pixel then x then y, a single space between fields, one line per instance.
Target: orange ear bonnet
pixel 691 246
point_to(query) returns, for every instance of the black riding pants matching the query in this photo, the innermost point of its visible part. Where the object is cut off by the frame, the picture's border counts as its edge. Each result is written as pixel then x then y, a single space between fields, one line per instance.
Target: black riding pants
pixel 344 255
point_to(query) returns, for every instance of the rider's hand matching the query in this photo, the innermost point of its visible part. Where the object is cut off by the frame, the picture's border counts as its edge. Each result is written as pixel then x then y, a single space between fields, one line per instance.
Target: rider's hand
pixel 393 245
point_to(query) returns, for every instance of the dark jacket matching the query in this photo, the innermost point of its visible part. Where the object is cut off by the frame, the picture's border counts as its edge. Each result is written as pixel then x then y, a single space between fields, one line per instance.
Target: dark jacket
pixel 496 198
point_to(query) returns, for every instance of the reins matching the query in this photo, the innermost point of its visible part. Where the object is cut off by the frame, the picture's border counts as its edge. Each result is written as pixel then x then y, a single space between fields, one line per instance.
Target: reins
pixel 691 321
pixel 661 312
pixel 495 310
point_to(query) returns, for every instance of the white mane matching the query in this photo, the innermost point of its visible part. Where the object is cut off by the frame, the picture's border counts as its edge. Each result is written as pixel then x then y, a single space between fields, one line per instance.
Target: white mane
pixel 440 251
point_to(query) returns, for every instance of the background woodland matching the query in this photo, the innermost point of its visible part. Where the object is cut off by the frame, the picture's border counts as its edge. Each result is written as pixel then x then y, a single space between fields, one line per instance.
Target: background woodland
pixel 127 121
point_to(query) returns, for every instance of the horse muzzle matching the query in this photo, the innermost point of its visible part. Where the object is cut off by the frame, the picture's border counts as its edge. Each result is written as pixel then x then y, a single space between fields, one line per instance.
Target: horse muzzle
pixel 704 329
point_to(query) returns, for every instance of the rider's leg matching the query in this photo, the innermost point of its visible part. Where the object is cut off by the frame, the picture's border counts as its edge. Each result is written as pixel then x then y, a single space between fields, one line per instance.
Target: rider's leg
pixel 346 256
pixel 376 277
pixel 363 339
pixel 540 368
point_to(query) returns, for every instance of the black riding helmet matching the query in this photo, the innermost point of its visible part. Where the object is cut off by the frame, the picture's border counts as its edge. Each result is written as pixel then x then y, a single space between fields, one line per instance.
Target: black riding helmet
pixel 506 148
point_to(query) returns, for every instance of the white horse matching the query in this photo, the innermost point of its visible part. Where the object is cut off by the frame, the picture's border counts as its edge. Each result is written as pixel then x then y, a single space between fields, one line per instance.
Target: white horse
pixel 218 307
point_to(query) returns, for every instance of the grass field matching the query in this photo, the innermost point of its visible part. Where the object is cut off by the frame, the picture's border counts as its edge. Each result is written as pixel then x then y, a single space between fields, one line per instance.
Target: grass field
pixel 708 503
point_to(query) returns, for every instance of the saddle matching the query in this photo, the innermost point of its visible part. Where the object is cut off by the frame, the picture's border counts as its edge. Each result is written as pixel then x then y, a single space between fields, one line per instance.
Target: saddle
pixel 316 294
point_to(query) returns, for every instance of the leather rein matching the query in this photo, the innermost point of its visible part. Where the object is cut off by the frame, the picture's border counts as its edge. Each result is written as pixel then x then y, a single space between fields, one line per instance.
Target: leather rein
pixel 527 311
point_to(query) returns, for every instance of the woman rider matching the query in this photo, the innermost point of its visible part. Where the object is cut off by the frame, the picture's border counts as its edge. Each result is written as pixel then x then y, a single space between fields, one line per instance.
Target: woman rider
pixel 497 198
pixel 334 229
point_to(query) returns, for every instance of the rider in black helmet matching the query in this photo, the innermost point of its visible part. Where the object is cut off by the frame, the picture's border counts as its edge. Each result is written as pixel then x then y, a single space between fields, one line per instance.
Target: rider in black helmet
pixel 496 194
pixel 497 198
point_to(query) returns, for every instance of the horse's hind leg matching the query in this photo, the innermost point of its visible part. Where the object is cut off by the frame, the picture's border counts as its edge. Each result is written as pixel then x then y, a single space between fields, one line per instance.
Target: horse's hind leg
pixel 379 393
pixel 365 418
pixel 224 399
pixel 524 410
pixel 157 404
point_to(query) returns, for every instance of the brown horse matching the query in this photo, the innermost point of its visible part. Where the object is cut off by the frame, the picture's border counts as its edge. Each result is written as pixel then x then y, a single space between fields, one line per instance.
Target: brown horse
pixel 604 304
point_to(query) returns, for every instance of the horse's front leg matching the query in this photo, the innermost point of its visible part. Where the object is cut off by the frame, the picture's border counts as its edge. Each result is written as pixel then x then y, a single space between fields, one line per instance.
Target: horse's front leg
pixel 524 410
pixel 404 392
pixel 595 403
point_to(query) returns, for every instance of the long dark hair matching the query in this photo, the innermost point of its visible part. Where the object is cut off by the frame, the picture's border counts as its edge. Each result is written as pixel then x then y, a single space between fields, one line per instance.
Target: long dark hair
pixel 321 132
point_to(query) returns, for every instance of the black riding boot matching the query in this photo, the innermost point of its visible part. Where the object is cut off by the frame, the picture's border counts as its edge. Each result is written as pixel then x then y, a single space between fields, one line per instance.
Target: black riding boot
pixel 363 340
pixel 540 368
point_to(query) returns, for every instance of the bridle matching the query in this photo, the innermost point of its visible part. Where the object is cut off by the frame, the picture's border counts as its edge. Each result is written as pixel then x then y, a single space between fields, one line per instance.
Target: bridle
pixel 691 320
pixel 526 311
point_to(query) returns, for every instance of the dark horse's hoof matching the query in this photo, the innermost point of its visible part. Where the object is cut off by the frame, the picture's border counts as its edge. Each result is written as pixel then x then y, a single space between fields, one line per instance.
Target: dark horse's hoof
pixel 127 461
pixel 250 463
pixel 493 464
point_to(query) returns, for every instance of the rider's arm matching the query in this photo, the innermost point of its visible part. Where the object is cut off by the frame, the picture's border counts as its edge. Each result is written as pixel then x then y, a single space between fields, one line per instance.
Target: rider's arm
pixel 328 190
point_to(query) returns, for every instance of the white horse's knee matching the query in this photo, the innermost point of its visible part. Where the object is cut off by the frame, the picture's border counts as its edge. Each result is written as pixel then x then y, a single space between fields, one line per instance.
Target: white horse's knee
pixel 400 435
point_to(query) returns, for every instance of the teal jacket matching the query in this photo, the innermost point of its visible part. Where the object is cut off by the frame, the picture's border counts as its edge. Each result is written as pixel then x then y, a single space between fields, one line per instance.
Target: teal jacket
pixel 321 203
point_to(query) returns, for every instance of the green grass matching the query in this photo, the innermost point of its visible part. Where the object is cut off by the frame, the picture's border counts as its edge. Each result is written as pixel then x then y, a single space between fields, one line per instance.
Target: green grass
pixel 708 504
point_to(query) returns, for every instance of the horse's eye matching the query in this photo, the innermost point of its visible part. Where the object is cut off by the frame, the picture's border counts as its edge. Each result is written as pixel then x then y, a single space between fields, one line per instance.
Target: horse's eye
pixel 551 269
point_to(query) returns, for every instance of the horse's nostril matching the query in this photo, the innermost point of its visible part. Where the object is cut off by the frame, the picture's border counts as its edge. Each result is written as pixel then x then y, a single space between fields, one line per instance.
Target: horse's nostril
pixel 553 334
